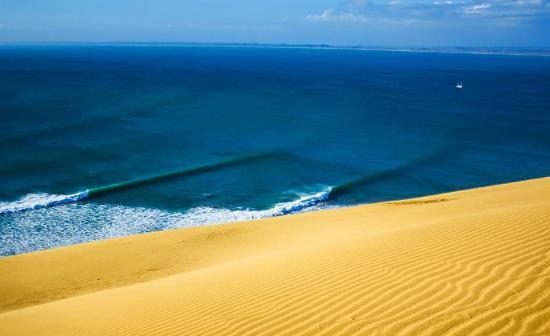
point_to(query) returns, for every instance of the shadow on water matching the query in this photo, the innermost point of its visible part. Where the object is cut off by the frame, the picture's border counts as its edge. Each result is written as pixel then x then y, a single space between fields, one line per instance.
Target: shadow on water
pixel 387 175
pixel 333 194
pixel 182 172
pixel 46 201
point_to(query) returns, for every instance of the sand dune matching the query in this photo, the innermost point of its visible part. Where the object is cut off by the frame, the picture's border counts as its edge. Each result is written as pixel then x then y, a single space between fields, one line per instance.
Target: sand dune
pixel 473 262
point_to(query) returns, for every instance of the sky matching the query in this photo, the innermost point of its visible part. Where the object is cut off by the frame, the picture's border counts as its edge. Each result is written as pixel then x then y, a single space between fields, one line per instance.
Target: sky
pixel 477 23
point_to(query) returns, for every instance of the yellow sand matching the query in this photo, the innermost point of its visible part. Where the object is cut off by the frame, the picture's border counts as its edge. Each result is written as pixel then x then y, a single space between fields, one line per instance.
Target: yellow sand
pixel 464 263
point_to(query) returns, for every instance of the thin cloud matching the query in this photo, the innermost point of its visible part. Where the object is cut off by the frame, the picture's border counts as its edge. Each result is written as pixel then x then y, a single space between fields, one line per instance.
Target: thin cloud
pixel 476 9
pixel 333 15
pixel 359 11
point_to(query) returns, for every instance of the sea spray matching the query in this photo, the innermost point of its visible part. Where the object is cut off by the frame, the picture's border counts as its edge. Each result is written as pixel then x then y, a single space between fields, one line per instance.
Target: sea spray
pixel 302 203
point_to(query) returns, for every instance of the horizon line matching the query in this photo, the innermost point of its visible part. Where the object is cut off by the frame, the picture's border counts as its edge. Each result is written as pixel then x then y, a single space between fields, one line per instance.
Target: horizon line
pixel 493 50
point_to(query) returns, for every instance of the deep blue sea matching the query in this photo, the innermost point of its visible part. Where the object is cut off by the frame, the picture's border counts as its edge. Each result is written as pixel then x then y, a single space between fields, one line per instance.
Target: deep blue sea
pixel 103 141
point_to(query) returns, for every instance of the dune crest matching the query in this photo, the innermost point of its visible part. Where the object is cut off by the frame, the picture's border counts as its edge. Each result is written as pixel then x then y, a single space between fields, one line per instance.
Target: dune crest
pixel 474 262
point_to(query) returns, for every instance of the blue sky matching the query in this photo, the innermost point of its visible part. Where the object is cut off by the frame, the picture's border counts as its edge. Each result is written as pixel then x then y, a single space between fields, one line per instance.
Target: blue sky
pixel 355 22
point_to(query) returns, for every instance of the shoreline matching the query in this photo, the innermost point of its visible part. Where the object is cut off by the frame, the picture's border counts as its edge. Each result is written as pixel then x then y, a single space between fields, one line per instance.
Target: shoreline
pixel 416 266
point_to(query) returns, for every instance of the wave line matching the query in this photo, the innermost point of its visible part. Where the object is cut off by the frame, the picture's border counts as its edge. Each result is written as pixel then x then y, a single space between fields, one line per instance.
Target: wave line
pixel 39 201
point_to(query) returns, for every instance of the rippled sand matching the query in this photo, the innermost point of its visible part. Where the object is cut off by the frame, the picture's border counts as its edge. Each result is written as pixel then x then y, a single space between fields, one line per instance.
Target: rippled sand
pixel 463 263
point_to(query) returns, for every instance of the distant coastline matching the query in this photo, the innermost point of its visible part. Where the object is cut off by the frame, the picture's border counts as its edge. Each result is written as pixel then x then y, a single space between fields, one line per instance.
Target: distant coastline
pixel 512 51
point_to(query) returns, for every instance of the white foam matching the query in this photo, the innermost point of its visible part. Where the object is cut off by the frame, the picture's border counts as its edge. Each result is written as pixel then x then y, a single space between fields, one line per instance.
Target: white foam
pixel 74 223
pixel 39 201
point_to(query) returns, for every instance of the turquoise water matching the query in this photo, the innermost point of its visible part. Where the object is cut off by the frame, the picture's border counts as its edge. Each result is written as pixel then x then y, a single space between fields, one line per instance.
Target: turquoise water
pixel 105 141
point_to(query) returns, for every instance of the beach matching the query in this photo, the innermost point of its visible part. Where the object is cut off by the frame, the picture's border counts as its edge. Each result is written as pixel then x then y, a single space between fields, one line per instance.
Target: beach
pixel 472 262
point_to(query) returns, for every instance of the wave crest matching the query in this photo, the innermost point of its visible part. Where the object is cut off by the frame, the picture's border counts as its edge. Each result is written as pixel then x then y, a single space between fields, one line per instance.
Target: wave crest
pixel 39 201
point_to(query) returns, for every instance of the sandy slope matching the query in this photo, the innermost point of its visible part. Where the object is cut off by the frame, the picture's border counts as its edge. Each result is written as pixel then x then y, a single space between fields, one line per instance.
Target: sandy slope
pixel 464 263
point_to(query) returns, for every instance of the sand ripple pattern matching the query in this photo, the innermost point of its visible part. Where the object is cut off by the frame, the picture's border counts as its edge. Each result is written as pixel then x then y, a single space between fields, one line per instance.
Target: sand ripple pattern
pixel 476 263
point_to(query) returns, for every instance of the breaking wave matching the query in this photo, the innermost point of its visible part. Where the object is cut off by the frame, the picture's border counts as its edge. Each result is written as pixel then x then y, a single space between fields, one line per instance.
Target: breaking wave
pixel 39 201
pixel 73 223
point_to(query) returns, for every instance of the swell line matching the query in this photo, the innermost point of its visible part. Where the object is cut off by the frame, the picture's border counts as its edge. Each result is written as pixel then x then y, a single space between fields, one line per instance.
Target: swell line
pixel 39 201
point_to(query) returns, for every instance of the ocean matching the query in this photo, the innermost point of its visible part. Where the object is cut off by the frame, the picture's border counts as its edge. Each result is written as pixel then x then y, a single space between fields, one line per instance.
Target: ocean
pixel 101 141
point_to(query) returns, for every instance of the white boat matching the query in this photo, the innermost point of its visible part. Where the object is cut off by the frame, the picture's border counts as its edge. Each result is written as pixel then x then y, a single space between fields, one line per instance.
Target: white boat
pixel 459 85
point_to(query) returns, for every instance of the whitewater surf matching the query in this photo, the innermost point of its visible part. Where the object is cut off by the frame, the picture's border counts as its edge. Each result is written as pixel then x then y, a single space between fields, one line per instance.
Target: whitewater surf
pixel 82 222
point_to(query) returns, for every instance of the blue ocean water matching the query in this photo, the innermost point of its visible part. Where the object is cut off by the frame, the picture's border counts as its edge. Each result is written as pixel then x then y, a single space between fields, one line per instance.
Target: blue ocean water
pixel 268 131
